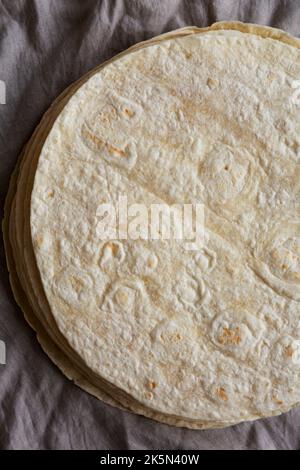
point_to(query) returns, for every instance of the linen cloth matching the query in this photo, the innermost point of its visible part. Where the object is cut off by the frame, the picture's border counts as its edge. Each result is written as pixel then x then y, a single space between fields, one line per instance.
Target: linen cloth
pixel 44 46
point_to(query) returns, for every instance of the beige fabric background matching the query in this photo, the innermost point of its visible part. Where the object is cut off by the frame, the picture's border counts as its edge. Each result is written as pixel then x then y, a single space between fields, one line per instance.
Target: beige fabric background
pixel 44 46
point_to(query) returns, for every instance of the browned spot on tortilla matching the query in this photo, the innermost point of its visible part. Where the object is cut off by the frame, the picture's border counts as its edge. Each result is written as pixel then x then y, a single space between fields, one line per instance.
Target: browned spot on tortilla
pixel 129 112
pixel 114 248
pixel 101 143
pixel 152 385
pixel 76 283
pixel 276 400
pixel 173 337
pixel 221 392
pixel 230 336
pixel 151 263
pixel 149 395
pixel 289 351
pixel 90 136
pixel 212 83
pixel 115 151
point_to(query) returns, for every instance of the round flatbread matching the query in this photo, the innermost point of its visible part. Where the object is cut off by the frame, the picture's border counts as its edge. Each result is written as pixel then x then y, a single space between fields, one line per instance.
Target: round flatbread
pixel 202 338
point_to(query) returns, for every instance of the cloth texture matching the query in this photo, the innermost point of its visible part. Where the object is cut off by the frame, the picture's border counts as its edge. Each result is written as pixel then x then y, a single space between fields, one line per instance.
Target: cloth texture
pixel 44 46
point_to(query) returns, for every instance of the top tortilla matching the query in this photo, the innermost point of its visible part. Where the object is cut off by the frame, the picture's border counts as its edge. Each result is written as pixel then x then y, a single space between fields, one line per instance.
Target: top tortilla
pixel 219 106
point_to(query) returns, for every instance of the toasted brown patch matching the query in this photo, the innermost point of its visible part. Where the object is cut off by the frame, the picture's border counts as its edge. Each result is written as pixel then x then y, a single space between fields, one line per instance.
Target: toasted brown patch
pixel 128 112
pixel 289 351
pixel 221 392
pixel 212 83
pixel 115 151
pixel 149 395
pixel 151 384
pixel 276 400
pixel 230 336
pixel 113 247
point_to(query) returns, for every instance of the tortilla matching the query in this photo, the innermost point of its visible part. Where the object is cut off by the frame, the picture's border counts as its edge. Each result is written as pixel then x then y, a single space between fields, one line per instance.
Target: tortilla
pixel 203 339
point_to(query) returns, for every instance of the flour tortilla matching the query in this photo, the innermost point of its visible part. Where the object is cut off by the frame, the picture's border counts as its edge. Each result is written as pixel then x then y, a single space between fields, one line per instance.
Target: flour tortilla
pixel 248 319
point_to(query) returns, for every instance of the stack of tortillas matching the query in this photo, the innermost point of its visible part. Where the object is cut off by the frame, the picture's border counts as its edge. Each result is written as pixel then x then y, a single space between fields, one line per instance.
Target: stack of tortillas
pixel 197 338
